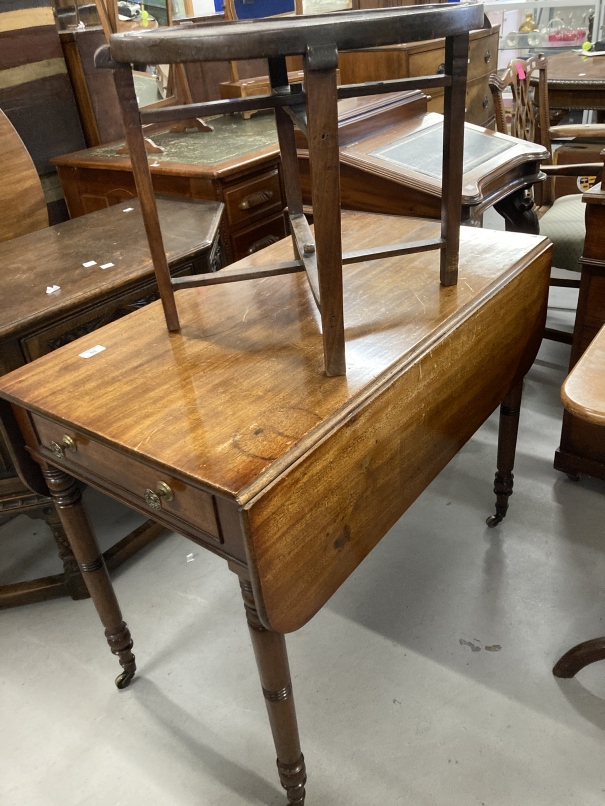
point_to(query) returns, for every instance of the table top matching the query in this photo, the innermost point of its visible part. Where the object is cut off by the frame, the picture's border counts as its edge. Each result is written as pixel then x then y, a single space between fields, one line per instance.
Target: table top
pixel 569 69
pixel 583 392
pixel 57 256
pixel 255 346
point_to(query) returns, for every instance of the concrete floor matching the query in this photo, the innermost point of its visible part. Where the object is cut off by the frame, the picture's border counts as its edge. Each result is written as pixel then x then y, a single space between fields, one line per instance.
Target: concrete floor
pixel 425 681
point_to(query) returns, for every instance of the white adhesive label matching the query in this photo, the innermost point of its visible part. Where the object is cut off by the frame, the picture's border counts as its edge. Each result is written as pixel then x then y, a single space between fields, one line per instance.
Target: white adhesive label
pixel 50 289
pixel 93 351
pixel 128 209
pixel 89 263
pixel 106 265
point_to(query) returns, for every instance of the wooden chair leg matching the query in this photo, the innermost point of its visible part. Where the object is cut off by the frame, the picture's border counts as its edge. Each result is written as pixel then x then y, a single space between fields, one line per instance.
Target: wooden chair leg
pixel 456 65
pixel 507 445
pixel 272 661
pixel 67 498
pixel 142 176
pixel 320 84
pixel 580 656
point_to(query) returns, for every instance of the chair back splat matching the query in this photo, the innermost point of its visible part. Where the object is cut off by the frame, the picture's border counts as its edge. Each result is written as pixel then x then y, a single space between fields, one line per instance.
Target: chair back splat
pixel 312 107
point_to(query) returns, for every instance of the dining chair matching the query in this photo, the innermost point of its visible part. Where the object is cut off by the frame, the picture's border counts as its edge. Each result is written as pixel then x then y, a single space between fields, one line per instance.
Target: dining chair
pixel 560 219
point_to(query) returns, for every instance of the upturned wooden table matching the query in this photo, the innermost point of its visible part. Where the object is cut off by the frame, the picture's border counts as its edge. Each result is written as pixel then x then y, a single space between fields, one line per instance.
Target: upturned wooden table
pixel 583 395
pixel 230 433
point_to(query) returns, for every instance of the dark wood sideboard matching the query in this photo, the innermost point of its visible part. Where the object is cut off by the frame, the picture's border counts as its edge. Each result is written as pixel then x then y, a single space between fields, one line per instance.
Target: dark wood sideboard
pixel 34 323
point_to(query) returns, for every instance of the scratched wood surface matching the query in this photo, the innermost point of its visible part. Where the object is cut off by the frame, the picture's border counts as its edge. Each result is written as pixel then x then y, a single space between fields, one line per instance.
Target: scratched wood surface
pixel 56 256
pixel 321 466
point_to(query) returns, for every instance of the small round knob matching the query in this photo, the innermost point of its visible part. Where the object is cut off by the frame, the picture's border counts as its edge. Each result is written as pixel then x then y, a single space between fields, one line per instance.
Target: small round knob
pixel 69 444
pixel 485 101
pixel 441 69
pixel 154 498
pixel 488 56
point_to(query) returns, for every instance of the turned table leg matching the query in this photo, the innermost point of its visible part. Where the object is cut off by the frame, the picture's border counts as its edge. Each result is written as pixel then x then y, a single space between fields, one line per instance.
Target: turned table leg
pixel 507 445
pixel 272 661
pixel 67 497
pixel 73 578
pixel 580 656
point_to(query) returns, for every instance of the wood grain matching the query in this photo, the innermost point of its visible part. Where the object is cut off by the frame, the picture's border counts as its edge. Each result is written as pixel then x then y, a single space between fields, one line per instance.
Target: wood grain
pixel 21 198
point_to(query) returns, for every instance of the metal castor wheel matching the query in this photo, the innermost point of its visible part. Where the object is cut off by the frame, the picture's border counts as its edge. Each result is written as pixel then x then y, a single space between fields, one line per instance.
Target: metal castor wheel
pixel 494 520
pixel 123 680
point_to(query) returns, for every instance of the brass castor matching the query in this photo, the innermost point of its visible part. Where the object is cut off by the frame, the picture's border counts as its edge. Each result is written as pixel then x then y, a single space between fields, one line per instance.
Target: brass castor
pixel 123 680
pixel 494 520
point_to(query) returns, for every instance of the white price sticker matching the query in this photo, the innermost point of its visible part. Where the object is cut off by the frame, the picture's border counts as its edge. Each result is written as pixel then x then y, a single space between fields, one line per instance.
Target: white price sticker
pixel 93 351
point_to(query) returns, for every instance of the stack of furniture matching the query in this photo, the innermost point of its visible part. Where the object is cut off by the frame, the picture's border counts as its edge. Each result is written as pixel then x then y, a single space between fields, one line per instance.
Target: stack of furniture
pixel 304 470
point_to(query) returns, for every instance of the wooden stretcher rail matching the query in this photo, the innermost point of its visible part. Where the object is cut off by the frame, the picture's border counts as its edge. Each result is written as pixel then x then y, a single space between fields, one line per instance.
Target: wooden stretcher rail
pixel 293 266
pixel 288 100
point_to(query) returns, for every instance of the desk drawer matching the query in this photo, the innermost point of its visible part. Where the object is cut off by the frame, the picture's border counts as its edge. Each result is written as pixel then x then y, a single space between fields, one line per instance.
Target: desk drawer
pixel 253 199
pixel 482 54
pixel 148 489
pixel 257 237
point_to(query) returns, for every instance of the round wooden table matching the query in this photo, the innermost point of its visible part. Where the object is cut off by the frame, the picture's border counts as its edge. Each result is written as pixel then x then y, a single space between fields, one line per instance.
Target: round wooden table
pixel 583 394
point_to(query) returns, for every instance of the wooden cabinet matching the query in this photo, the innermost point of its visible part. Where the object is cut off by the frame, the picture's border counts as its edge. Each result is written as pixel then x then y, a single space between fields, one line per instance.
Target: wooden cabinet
pixel 424 58
pixel 238 164
pixel 582 447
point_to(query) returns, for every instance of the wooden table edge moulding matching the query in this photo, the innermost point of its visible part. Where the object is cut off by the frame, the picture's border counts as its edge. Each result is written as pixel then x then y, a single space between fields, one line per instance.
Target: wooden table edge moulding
pixel 313 108
pixel 583 395
pixel 301 474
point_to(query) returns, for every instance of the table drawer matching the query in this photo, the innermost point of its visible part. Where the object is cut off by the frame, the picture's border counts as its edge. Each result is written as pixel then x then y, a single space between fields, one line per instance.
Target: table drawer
pixel 260 236
pixel 149 489
pixel 254 198
pixel 483 55
pixel 479 102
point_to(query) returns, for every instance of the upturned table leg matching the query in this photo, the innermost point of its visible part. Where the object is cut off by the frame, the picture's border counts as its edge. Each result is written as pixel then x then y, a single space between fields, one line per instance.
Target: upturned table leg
pixel 67 497
pixel 580 656
pixel 507 446
pixel 272 661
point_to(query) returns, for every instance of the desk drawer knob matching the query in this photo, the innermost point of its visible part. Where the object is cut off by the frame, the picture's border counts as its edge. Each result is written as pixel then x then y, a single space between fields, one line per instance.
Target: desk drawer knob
pixel 67 444
pixel 154 499
pixel 256 199
pixel 488 56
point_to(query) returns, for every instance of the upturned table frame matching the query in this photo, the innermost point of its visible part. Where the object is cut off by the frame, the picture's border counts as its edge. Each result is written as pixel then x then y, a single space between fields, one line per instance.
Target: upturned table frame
pixel 313 108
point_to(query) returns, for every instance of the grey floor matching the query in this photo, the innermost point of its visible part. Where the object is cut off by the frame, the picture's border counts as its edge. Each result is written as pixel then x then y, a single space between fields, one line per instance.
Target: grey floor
pixel 425 681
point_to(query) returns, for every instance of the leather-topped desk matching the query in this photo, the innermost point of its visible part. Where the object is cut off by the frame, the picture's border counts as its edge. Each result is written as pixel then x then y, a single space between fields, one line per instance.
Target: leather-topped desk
pixel 230 433
pixel 33 322
pixel 239 164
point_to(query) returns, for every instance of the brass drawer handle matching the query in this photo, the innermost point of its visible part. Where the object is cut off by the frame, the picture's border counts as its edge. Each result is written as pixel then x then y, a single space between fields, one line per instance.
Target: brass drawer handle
pixel 262 243
pixel 154 499
pixel 256 199
pixel 485 101
pixel 488 56
pixel 441 69
pixel 67 443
